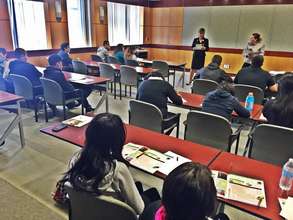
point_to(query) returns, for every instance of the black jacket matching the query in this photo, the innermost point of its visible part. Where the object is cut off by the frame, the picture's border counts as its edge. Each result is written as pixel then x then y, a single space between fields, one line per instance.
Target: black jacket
pixel 215 73
pixel 66 60
pixel 157 92
pixel 56 75
pixel 27 70
pixel 222 103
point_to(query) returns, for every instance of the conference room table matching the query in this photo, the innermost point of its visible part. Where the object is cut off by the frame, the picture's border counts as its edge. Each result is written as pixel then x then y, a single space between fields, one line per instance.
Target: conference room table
pixel 6 100
pixel 143 71
pixel 194 102
pixel 269 173
pixel 172 65
pixel 82 79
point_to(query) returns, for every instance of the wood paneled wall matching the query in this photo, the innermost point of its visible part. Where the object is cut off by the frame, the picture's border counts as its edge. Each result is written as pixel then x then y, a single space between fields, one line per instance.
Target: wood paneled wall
pixel 5 32
pixel 165 25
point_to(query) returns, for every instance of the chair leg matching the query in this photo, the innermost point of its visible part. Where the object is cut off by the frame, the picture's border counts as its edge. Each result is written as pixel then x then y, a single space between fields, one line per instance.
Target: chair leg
pixel 114 90
pixel 46 112
pixel 130 91
pixel 177 130
pixel 125 88
pixel 64 112
pixel 111 87
pixel 120 90
pixel 174 79
pixel 237 145
pixel 36 110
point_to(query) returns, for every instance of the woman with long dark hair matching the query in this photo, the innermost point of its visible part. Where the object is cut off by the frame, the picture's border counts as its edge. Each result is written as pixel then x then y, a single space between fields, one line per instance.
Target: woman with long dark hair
pixel 119 53
pixel 99 167
pixel 279 111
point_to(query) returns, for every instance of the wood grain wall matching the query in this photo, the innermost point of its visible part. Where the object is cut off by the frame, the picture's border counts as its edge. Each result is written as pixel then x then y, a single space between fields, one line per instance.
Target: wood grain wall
pixel 164 26
pixel 5 32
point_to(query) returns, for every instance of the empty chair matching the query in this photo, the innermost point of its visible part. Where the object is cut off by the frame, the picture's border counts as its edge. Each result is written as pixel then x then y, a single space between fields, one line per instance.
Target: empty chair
pixel 128 77
pixel 131 63
pixel 108 71
pixel 79 67
pixel 148 116
pixel 162 67
pixel 96 58
pixel 241 92
pixel 200 126
pixel 54 95
pixel 203 86
pixel 23 87
pixel 87 206
pixel 271 144
pixel 113 60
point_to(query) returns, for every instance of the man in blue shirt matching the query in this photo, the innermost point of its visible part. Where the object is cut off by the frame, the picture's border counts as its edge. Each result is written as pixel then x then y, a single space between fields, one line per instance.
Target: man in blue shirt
pixel 64 54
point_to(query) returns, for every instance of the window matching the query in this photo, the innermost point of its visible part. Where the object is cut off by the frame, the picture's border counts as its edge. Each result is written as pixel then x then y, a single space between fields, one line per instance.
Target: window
pixel 125 24
pixel 29 26
pixel 79 23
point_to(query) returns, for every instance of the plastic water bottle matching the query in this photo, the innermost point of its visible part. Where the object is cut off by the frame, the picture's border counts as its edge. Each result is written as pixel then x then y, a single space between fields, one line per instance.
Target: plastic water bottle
pixel 287 176
pixel 249 102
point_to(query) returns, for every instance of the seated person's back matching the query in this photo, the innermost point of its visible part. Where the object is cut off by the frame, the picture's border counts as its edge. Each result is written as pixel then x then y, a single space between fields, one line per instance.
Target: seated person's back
pixel 20 66
pixel 155 90
pixel 280 110
pixel 256 76
pixel 214 72
pixel 119 54
pixel 222 102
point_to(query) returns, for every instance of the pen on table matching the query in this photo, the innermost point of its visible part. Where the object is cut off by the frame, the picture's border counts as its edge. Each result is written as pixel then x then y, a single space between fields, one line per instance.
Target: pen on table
pixel 177 158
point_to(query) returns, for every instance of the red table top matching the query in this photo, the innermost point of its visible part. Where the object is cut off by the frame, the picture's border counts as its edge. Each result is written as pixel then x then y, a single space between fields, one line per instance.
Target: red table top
pixel 163 143
pixel 94 79
pixel 195 101
pixel 139 69
pixel 8 97
pixel 244 166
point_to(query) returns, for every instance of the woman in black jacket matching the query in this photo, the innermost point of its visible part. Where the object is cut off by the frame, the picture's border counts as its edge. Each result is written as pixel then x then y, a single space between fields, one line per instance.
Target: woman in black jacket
pixel 280 110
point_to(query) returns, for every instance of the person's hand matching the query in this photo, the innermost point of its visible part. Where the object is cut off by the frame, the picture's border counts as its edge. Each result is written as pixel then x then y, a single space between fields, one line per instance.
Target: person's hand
pixel 203 48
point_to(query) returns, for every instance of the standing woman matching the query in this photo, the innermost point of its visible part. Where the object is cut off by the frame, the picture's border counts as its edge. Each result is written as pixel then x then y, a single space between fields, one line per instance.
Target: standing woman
pixel 255 47
pixel 199 46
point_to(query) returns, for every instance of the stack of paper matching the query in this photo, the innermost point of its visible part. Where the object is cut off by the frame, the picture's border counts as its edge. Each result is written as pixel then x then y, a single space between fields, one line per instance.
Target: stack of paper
pixel 287 211
pixel 78 121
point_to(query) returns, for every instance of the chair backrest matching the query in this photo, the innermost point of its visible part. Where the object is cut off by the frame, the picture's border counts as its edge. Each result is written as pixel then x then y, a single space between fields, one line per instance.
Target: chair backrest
pixel 107 71
pixel 113 60
pixel 128 75
pixel 199 127
pixel 272 144
pixel 131 63
pixel 96 58
pixel 203 86
pixel 145 115
pixel 87 206
pixel 241 92
pixel 79 67
pixel 53 92
pixel 162 67
pixel 22 86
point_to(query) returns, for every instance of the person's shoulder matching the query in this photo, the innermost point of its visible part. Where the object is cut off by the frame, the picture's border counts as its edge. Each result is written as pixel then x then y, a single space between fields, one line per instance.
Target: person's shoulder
pixel 121 169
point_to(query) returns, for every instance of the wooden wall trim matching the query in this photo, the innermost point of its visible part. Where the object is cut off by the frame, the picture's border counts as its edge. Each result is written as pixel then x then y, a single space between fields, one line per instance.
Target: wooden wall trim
pixel 219 50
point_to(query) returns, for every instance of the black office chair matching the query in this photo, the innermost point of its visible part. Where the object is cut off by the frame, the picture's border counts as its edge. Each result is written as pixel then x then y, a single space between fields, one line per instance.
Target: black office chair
pixel 241 92
pixel 79 67
pixel 131 63
pixel 271 144
pixel 203 86
pixel 200 126
pixel 113 60
pixel 96 58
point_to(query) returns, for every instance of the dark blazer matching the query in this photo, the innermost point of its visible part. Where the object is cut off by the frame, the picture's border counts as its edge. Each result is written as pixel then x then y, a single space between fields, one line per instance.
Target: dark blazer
pixel 56 74
pixel 27 70
pixel 222 103
pixel 157 92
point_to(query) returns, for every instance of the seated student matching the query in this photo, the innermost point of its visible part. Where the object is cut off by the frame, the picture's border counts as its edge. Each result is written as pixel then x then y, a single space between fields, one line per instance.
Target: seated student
pixel 119 54
pixel 222 102
pixel 129 53
pixel 64 54
pixel 254 75
pixel 214 72
pixel 103 51
pixel 189 193
pixel 156 90
pixel 99 167
pixel 20 66
pixel 54 72
pixel 279 111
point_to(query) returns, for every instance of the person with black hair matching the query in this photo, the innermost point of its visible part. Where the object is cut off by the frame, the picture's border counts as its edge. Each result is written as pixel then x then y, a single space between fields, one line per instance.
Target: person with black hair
pixel 254 75
pixel 279 111
pixel 189 193
pixel 254 47
pixel 214 72
pixel 222 102
pixel 21 67
pixel 54 72
pixel 99 167
pixel 64 54
pixel 119 53
pixel 103 51
pixel 199 46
